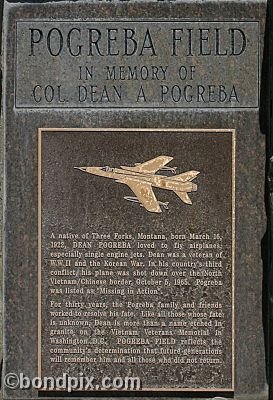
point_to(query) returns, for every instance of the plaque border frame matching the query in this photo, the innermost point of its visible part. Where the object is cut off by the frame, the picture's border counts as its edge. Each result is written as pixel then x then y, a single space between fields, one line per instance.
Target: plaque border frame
pixel 233 222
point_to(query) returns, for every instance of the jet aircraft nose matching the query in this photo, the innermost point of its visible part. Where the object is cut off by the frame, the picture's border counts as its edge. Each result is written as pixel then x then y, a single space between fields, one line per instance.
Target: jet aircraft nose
pixel 81 168
pixel 90 170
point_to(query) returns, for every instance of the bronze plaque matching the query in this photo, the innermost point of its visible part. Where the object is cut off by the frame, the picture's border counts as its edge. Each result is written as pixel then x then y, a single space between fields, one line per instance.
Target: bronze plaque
pixel 136 255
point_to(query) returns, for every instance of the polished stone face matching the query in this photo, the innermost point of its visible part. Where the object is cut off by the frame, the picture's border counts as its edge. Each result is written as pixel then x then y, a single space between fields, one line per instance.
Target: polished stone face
pixel 137 64
pixel 134 176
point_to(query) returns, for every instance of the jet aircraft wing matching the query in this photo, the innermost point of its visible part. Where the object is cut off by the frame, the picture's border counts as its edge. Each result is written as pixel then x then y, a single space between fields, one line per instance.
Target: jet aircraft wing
pixel 144 193
pixel 151 166
pixel 185 177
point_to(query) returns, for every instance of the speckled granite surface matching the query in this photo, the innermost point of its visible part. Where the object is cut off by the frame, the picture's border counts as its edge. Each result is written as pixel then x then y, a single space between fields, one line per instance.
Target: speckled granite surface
pixel 21 209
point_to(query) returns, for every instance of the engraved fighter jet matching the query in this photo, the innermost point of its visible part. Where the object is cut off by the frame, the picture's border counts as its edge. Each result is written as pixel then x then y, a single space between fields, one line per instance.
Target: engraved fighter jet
pixel 141 178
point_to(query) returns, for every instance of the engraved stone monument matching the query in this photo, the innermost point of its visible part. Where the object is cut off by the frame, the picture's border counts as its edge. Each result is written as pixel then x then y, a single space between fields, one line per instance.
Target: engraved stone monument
pixel 134 197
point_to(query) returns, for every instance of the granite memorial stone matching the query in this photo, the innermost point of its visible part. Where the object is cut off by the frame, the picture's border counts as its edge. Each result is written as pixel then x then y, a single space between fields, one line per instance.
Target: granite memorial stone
pixel 134 197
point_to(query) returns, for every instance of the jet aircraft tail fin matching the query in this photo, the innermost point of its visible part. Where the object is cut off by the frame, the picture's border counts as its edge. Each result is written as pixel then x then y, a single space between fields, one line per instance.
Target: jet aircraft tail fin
pixel 184 197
